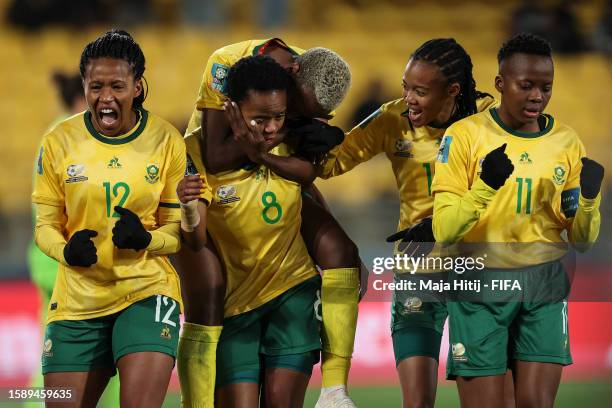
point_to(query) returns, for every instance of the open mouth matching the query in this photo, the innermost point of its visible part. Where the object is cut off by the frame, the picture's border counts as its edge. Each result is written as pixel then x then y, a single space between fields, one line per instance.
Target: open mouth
pixel 415 114
pixel 108 117
pixel 531 113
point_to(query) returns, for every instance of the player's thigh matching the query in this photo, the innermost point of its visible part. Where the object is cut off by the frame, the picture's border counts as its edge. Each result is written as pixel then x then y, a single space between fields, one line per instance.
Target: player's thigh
pixel 238 395
pixel 286 387
pixel 145 339
pixel 540 332
pixel 77 355
pixel 479 335
pixel 418 378
pixel 144 378
pixel 202 284
pixel 536 384
pixel 238 359
pixel 478 392
pixel 85 387
pixel 327 242
pixel 293 325
pixel 78 346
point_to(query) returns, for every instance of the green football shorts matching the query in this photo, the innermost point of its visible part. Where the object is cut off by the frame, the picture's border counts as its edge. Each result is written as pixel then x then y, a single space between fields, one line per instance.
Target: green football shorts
pixel 282 333
pixel 151 324
pixel 418 316
pixel 524 319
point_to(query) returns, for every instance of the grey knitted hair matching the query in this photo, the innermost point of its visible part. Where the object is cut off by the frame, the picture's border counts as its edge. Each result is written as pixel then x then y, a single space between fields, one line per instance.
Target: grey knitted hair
pixel 327 74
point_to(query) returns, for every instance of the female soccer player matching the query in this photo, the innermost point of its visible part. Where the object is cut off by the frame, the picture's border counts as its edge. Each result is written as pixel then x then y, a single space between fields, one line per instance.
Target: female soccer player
pixel 270 334
pixel 106 206
pixel 320 82
pixel 438 89
pixel 506 177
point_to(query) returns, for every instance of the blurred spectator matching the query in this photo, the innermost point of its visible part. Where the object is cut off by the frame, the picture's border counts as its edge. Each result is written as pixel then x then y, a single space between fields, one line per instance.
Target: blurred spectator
pixel 374 98
pixel 602 39
pixel 36 14
pixel 530 17
pixel 565 35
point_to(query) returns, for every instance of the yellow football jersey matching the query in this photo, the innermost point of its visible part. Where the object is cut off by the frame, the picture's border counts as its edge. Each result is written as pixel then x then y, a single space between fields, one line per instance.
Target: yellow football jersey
pixel 411 151
pixel 254 219
pixel 538 201
pixel 88 174
pixel 213 88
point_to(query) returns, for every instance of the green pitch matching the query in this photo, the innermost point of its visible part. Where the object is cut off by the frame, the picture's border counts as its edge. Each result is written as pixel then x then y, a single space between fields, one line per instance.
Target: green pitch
pixel 571 395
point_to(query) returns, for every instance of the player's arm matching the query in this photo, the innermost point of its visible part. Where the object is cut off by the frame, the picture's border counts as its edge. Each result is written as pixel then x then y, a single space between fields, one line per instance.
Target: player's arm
pixel 221 152
pixel 248 138
pixel 584 227
pixel 49 231
pixel 458 206
pixel 363 142
pixel 194 195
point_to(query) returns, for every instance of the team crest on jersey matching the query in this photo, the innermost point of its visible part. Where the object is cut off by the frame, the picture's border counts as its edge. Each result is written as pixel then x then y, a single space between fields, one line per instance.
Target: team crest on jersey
pixel 525 159
pixel 165 333
pixel 227 194
pixel 152 175
pixel 75 173
pixel 114 163
pixel 559 175
pixel 39 166
pixel 412 305
pixel 260 174
pixel 403 148
pixel 458 351
pixel 47 345
pixel 219 78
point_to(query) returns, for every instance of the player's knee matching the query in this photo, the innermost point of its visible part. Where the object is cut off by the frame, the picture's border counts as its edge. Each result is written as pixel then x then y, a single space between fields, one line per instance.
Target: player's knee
pixel 536 400
pixel 339 252
pixel 278 397
pixel 419 399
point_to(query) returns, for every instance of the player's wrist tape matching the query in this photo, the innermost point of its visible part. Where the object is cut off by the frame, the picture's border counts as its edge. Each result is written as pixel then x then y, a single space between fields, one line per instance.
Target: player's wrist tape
pixel 190 216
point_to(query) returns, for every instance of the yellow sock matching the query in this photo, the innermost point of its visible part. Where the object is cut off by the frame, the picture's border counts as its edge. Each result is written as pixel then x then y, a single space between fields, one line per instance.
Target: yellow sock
pixel 196 363
pixel 339 298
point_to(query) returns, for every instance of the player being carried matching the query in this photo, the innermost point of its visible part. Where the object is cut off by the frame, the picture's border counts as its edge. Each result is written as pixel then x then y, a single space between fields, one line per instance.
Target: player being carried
pixel 320 80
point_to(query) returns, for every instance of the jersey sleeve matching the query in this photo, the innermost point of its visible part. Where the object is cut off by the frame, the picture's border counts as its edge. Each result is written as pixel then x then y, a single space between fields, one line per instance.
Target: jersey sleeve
pixel 571 190
pixel 169 208
pixel 213 89
pixel 48 187
pixel 452 162
pixel 363 142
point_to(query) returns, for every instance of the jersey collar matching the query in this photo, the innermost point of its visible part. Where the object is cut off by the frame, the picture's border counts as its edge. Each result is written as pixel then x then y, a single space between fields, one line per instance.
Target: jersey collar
pixel 142 123
pixel 261 48
pixel 550 121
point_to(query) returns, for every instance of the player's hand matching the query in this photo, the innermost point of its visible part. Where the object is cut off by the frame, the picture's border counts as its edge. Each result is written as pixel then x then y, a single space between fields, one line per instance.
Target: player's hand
pixel 591 176
pixel 129 233
pixel 417 240
pixel 248 137
pixel 496 168
pixel 190 188
pixel 315 137
pixel 80 249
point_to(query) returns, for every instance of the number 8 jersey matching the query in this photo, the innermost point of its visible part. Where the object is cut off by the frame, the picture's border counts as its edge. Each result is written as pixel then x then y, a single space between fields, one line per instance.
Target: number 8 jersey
pixel 254 219
pixel 88 174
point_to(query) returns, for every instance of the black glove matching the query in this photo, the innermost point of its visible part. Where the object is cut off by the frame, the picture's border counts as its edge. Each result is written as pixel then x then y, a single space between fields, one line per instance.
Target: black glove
pixel 419 238
pixel 591 176
pixel 496 168
pixel 314 137
pixel 80 249
pixel 128 232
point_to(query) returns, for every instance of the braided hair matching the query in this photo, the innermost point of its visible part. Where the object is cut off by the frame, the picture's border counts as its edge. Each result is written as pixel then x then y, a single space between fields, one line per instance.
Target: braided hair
pixel 456 66
pixel 117 44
